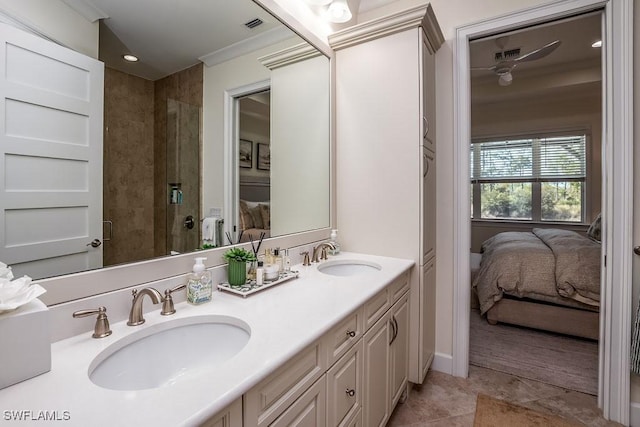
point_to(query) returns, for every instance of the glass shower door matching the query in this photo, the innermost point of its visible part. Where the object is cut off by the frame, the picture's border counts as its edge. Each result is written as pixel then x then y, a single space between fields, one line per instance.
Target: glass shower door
pixel 183 177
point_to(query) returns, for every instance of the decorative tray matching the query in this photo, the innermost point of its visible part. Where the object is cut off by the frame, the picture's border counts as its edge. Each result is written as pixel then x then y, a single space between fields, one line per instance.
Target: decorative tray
pixel 251 287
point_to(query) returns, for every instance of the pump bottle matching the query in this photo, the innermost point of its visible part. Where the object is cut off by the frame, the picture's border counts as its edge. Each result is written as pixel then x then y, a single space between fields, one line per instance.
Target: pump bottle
pixel 199 288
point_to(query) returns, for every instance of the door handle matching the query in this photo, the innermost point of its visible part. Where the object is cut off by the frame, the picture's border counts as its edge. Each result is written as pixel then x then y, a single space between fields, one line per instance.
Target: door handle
pixel 636 250
pixel 94 243
pixel 110 224
pixel 189 222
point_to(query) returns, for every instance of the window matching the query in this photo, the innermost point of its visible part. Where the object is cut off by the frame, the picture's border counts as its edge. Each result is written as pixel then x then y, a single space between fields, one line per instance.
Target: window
pixel 536 178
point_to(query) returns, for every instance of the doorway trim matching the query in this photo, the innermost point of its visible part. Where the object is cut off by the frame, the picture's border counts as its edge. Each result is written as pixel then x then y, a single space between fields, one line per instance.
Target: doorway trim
pixel 617 191
pixel 231 138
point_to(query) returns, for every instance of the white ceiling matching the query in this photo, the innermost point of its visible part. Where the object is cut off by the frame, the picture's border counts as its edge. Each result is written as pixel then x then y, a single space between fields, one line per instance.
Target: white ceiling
pixel 169 36
pixel 575 51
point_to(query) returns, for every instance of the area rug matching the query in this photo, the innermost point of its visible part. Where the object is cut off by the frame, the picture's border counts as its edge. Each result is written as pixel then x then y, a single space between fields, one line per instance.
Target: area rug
pixel 492 412
pixel 563 361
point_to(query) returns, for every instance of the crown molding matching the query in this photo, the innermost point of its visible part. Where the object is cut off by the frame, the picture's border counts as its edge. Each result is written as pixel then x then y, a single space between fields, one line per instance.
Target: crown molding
pixel 420 16
pixel 264 39
pixel 288 56
pixel 89 11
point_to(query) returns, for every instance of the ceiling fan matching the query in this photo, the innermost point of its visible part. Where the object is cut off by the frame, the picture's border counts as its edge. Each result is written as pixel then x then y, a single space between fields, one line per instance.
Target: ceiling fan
pixel 507 60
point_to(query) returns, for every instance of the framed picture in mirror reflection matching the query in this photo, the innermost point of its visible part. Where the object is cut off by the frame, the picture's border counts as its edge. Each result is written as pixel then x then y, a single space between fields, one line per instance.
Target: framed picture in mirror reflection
pixel 245 157
pixel 264 157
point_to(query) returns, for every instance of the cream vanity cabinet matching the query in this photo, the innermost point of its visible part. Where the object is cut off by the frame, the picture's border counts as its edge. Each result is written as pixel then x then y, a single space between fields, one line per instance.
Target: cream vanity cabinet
pixel 231 416
pixel 355 373
pixel 386 155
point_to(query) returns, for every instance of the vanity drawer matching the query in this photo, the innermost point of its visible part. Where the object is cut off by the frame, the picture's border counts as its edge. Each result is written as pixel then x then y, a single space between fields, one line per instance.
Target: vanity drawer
pixel 346 333
pixel 375 308
pixel 399 287
pixel 271 397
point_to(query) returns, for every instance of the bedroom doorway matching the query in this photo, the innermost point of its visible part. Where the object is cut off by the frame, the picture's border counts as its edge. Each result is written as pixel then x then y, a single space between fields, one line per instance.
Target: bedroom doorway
pixel 247 124
pixel 613 393
pixel 536 126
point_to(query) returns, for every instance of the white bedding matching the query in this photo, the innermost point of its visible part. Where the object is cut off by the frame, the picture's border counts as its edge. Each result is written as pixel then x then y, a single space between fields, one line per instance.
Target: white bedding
pixel 550 265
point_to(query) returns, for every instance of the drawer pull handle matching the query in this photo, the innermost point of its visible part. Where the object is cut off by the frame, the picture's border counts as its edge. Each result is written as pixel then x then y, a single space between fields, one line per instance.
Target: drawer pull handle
pixel 351 334
pixel 351 392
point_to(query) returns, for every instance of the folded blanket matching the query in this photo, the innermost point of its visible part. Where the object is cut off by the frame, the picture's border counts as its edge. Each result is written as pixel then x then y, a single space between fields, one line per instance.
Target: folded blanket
pixel 577 264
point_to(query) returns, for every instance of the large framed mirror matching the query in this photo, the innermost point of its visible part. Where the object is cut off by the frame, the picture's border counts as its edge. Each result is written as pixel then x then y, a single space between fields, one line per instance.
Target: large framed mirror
pixel 177 125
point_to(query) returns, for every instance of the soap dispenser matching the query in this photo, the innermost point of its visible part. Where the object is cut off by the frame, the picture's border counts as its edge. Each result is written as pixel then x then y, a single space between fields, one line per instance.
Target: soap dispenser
pixel 199 287
pixel 334 241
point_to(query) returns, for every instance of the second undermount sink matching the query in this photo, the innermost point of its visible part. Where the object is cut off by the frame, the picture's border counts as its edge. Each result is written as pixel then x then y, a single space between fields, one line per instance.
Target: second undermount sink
pixel 348 267
pixel 163 353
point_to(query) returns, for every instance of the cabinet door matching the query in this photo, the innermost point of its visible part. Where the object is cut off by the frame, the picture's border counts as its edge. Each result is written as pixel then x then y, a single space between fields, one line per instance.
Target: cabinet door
pixel 376 374
pixel 309 410
pixel 344 387
pixel 399 352
pixel 428 83
pixel 428 316
pixel 356 421
pixel 428 196
pixel 229 417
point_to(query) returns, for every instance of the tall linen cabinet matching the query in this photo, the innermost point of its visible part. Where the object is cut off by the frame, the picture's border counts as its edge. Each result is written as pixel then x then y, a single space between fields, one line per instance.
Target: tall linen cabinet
pixel 386 154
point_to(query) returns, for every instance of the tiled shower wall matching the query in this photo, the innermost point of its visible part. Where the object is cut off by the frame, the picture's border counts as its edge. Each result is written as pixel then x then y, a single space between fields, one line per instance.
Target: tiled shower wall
pixel 128 167
pixel 135 159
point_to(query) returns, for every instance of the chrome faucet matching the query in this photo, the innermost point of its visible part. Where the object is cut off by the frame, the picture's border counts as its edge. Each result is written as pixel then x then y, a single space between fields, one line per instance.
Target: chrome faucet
pixel 321 250
pixel 135 315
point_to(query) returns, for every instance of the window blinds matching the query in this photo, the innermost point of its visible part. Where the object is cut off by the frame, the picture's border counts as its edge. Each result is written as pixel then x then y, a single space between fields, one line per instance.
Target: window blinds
pixel 529 159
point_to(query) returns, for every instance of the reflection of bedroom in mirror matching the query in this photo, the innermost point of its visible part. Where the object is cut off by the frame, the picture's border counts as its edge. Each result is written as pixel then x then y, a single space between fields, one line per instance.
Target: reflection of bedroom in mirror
pixel 254 185
pixel 535 156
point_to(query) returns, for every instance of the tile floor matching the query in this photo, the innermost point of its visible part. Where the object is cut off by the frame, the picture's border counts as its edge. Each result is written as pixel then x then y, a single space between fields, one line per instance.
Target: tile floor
pixel 447 401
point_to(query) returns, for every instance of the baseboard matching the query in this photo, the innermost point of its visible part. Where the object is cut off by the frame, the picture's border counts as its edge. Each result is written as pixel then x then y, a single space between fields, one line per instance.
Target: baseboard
pixel 634 414
pixel 444 363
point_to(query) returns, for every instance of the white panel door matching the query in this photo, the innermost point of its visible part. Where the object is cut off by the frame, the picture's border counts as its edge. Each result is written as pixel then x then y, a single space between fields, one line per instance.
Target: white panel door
pixel 51 155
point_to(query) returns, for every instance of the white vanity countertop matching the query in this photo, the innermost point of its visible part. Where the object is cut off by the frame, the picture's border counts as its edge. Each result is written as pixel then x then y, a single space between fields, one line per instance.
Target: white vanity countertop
pixel 283 319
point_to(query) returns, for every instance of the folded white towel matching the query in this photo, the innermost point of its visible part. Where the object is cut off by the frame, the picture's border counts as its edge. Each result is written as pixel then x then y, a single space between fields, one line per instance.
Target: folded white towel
pixel 209 229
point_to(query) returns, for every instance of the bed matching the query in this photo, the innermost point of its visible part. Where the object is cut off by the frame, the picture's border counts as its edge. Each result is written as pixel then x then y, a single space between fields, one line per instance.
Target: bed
pixel 255 219
pixel 546 279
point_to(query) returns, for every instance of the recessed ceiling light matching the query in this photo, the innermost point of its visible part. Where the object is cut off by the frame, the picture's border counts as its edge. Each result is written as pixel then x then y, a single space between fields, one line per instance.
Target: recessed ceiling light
pixel 597 43
pixel 130 58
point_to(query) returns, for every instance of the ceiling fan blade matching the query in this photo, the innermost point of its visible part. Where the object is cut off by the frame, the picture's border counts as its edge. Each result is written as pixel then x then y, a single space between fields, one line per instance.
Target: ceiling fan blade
pixel 492 68
pixel 539 53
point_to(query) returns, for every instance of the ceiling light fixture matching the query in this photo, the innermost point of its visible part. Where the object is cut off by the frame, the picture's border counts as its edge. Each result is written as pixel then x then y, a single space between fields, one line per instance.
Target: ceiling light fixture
pixel 130 58
pixel 505 79
pixel 339 12
pixel 597 43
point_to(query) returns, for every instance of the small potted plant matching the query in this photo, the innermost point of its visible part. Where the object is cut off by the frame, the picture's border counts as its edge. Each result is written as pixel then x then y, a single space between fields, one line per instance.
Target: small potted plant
pixel 237 259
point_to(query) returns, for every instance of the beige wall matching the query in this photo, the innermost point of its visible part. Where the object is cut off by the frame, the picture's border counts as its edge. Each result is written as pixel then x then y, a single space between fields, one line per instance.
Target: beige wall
pixel 229 75
pixel 57 21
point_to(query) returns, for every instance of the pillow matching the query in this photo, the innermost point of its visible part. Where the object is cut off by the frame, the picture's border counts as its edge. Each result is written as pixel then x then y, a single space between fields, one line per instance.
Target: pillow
pixel 256 216
pixel 265 211
pixel 595 229
pixel 246 221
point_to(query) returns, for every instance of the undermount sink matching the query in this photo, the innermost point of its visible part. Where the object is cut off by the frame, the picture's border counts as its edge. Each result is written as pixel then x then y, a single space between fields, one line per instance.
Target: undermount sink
pixel 348 267
pixel 161 354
